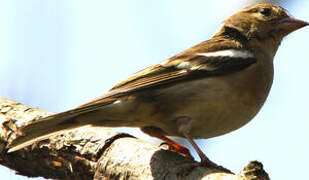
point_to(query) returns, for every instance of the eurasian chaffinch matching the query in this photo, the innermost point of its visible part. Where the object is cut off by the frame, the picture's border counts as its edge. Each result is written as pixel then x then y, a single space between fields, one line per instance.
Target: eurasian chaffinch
pixel 205 91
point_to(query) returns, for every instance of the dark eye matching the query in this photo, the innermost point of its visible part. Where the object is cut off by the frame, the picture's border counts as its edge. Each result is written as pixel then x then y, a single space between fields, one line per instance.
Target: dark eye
pixel 265 11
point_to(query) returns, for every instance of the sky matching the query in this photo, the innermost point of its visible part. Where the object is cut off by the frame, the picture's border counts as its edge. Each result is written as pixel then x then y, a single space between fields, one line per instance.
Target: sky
pixel 58 54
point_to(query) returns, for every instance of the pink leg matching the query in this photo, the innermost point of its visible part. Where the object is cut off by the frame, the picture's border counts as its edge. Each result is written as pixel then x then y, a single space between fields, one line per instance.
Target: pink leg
pixel 172 145
pixel 204 160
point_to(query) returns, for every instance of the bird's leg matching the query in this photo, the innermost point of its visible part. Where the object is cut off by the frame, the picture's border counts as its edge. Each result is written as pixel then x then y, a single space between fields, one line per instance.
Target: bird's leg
pixel 184 124
pixel 205 161
pixel 172 145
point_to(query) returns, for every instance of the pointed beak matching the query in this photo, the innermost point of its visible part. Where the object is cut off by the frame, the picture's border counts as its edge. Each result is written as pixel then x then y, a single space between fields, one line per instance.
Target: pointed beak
pixel 290 24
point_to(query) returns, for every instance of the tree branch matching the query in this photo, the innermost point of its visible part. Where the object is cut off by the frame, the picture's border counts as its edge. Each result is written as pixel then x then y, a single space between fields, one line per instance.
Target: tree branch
pixel 98 153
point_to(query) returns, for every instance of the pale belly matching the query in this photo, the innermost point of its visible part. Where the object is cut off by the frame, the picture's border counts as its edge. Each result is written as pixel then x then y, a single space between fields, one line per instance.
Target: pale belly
pixel 214 111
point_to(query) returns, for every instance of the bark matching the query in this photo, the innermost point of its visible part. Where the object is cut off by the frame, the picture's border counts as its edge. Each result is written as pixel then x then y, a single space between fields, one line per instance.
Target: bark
pixel 99 153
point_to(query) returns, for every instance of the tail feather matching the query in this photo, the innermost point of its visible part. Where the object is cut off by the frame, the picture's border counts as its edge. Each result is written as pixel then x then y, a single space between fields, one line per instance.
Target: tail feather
pixel 35 136
pixel 51 125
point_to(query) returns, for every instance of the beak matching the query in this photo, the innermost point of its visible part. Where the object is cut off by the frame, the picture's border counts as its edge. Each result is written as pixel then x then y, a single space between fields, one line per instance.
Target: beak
pixel 290 24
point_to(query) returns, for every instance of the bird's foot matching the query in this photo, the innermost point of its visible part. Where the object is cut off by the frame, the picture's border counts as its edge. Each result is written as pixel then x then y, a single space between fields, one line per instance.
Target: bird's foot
pixel 179 149
pixel 209 164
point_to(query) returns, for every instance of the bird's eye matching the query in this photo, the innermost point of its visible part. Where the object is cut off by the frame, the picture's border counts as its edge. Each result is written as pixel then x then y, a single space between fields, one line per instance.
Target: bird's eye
pixel 265 11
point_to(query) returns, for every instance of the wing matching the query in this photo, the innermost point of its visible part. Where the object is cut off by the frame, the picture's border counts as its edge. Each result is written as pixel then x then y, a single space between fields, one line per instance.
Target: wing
pixel 196 62
pixel 197 66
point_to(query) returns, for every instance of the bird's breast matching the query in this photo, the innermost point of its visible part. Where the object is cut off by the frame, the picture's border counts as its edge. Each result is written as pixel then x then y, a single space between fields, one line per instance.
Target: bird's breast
pixel 216 105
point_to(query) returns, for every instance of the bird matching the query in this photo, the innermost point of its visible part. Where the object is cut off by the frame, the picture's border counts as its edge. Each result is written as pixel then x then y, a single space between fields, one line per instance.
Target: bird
pixel 208 90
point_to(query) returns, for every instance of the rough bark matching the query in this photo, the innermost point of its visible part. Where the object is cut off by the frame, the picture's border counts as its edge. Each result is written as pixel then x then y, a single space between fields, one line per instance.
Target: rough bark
pixel 99 153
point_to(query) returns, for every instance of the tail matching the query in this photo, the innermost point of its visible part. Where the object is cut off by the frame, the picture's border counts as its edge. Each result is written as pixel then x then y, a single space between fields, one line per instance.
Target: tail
pixel 52 125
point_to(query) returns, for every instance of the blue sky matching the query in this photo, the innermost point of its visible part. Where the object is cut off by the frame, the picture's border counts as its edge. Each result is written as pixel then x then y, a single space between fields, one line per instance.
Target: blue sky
pixel 58 54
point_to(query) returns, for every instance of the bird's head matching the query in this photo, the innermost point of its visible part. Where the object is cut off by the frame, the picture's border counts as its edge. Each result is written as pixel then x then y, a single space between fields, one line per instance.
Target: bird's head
pixel 261 24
